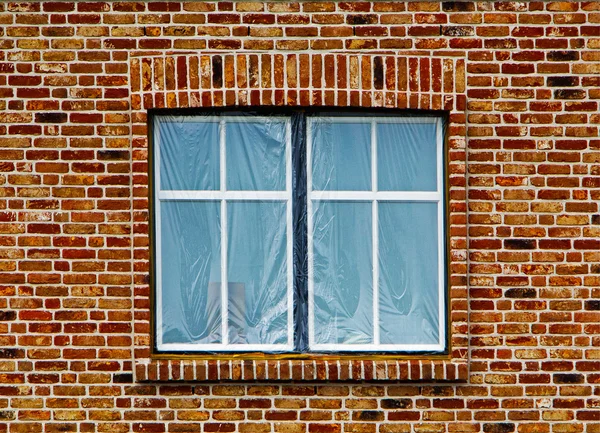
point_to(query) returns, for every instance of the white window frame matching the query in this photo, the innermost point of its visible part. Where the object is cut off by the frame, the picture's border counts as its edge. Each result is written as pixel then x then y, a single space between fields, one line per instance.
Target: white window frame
pixel 223 195
pixel 374 196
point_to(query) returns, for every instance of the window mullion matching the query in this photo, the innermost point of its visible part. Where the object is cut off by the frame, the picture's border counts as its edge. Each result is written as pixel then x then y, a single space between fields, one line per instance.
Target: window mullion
pixel 299 228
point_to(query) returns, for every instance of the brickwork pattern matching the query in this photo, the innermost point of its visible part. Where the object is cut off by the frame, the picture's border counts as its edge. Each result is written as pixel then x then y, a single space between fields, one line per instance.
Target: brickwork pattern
pixel 73 208
pixel 189 81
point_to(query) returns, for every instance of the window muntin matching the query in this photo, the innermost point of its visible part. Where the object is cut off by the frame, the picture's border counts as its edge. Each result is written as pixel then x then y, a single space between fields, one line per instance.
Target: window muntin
pixel 360 188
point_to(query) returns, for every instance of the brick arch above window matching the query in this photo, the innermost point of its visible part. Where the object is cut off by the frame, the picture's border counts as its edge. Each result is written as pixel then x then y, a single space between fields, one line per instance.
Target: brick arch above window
pixel 336 80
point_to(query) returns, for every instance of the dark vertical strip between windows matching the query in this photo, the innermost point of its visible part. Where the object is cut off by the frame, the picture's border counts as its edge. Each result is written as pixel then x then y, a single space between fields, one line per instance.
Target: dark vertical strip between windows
pixel 300 241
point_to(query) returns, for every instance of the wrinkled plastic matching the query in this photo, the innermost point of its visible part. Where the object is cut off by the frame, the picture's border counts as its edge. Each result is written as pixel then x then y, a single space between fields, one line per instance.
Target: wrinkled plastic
pixel 341 156
pixel 265 229
pixel 343 277
pixel 191 267
pixel 255 156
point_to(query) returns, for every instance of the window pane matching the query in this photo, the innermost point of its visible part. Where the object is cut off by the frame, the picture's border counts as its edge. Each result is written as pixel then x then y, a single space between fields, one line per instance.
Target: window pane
pixel 256 156
pixel 257 272
pixel 408 273
pixel 189 155
pixel 343 276
pixel 341 156
pixel 191 272
pixel 407 156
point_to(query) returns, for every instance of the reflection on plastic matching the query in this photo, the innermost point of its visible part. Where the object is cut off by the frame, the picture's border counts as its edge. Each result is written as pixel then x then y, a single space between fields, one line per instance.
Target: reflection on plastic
pixel 257 259
pixel 255 156
pixel 343 159
pixel 343 273
pixel 191 249
pixel 189 157
pixel 407 157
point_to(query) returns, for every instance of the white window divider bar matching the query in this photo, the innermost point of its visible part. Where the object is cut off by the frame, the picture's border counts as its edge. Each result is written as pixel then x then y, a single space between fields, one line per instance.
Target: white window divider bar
pixel 315 195
pixel 224 195
pixel 425 196
pixel 375 232
pixel 224 246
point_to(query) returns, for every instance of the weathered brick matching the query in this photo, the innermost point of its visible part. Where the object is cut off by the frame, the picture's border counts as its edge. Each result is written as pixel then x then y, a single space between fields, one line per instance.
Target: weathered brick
pixel 76 81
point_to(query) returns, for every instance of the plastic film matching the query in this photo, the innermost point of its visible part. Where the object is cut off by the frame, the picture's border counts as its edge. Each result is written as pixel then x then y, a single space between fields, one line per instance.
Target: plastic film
pixel 301 232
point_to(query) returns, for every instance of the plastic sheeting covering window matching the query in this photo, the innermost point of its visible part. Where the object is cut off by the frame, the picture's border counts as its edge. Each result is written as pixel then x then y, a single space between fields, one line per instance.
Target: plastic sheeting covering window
pixel 305 233
pixel 223 233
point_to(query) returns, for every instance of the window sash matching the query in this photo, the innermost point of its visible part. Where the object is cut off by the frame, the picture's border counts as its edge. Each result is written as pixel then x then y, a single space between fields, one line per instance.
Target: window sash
pixel 374 196
pixel 223 195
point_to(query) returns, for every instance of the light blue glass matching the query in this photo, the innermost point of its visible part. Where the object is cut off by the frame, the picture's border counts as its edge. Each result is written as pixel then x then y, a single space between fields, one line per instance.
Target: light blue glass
pixel 189 154
pixel 407 156
pixel 341 156
pixel 255 155
pixel 408 273
pixel 343 276
pixel 257 272
pixel 190 260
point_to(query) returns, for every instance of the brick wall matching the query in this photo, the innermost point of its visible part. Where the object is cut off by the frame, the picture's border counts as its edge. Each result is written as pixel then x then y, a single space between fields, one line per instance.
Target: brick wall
pixel 525 223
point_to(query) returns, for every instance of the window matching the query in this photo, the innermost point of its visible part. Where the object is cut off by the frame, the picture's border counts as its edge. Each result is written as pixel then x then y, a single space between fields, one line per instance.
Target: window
pixel 308 232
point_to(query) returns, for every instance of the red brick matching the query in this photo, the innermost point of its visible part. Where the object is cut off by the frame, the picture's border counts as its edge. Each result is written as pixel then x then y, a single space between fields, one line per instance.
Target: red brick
pixel 75 332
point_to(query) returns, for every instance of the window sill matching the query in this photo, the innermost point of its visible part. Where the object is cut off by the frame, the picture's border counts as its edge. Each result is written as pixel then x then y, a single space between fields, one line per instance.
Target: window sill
pixel 404 370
